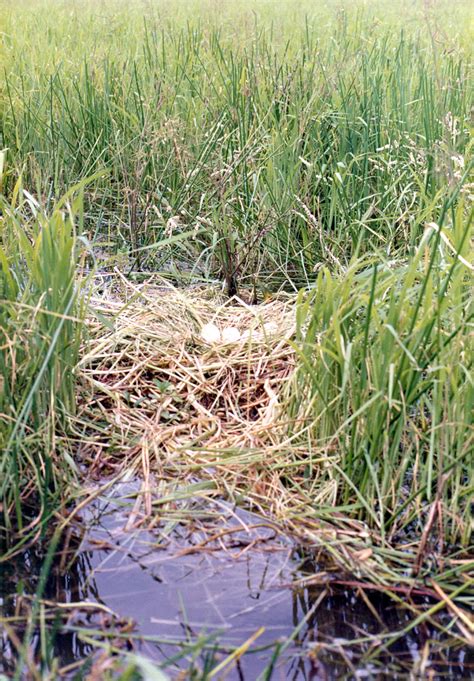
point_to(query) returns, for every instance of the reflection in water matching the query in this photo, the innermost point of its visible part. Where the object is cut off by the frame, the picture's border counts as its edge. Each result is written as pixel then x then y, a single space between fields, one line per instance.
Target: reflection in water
pixel 227 580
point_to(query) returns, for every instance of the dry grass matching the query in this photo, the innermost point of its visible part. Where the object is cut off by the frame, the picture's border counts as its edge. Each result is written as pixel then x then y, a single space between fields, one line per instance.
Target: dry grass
pixel 159 396
pixel 157 399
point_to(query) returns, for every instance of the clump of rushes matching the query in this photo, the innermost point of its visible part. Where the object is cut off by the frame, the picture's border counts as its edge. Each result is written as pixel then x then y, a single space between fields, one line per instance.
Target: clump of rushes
pixel 41 314
pixel 384 383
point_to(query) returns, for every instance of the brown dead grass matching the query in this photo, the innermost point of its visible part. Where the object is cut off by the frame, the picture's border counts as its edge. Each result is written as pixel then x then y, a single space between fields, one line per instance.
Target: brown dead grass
pixel 160 394
pixel 160 403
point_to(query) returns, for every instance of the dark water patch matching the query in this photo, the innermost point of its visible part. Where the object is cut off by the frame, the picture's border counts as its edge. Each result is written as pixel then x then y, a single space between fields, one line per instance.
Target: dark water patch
pixel 217 575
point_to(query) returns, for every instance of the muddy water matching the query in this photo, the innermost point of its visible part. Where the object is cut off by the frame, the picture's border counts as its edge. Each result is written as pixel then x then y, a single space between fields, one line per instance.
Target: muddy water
pixel 166 588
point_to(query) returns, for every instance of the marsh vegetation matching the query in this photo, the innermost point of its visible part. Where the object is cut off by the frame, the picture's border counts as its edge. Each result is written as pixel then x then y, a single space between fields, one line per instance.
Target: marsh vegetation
pixel 301 175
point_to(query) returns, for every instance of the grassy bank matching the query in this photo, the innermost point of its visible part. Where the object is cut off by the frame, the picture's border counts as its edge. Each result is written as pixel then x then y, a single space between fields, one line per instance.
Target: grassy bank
pixel 309 172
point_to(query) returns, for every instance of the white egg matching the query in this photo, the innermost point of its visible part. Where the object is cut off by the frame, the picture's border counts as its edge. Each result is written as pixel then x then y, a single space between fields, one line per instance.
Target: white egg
pixel 230 334
pixel 270 328
pixel 210 333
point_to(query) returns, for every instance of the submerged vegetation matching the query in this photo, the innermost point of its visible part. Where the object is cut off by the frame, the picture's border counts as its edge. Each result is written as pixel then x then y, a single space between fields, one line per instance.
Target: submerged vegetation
pixel 302 176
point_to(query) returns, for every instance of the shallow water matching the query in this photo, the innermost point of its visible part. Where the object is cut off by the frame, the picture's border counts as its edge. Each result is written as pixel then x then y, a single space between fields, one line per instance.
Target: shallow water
pixel 168 586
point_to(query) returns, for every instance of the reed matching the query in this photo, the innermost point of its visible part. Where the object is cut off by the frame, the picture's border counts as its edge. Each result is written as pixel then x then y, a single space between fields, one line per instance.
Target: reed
pixel 40 334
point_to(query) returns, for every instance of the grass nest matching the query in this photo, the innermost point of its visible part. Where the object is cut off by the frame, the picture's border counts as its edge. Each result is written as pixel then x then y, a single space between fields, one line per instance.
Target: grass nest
pixel 197 418
pixel 194 418
pixel 158 398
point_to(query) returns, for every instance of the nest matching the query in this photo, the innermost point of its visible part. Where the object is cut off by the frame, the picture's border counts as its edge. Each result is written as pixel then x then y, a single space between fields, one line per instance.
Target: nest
pixel 192 418
pixel 155 392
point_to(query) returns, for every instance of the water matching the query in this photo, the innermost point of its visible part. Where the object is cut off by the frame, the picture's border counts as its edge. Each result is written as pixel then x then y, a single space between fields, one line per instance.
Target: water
pixel 223 574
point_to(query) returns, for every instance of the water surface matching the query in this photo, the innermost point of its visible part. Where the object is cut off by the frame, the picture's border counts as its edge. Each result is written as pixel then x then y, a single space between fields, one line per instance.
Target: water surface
pixel 225 577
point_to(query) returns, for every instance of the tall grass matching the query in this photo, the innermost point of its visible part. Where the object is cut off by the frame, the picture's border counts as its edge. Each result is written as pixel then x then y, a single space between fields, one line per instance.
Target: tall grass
pixel 41 314
pixel 321 146
pixel 385 380
pixel 292 140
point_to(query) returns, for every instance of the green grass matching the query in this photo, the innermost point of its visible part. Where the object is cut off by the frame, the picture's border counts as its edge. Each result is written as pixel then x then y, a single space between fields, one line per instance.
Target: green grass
pixel 321 148
pixel 41 315
pixel 385 379
pixel 289 139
